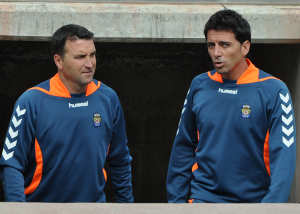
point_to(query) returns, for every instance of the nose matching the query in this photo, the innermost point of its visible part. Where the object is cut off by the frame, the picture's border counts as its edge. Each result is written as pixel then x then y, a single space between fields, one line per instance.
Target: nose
pixel 217 51
pixel 89 62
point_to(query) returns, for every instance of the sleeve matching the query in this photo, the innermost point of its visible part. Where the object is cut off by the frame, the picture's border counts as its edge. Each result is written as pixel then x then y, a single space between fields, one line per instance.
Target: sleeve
pixel 17 147
pixel 183 154
pixel 119 159
pixel 282 147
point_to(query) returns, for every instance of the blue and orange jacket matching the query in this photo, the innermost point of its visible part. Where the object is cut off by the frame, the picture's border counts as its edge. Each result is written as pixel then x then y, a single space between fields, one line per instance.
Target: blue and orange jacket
pixel 237 138
pixel 57 144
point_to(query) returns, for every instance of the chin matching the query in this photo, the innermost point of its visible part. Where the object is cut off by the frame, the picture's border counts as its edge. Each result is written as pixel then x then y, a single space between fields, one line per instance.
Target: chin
pixel 221 71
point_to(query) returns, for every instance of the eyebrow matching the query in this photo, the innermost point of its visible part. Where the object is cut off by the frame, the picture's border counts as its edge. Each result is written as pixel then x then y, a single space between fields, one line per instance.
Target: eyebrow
pixel 222 42
pixel 94 52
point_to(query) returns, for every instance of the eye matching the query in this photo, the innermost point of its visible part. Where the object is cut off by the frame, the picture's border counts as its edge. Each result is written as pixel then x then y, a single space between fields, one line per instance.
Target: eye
pixel 80 57
pixel 210 45
pixel 93 54
pixel 226 45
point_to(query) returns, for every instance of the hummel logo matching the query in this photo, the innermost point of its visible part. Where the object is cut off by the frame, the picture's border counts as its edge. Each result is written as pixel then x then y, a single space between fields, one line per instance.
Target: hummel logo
pixel 79 104
pixel 227 91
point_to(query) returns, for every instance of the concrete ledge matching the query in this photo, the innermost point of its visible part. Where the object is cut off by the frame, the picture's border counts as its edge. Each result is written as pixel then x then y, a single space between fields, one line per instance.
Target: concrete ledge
pixel 125 22
pixel 43 208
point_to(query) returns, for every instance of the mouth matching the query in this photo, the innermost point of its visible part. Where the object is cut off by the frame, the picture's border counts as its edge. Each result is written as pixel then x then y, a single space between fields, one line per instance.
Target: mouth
pixel 219 64
pixel 87 72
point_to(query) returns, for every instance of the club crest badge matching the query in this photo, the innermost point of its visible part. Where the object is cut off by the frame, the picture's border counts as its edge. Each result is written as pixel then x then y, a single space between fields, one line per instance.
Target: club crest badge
pixel 97 119
pixel 246 111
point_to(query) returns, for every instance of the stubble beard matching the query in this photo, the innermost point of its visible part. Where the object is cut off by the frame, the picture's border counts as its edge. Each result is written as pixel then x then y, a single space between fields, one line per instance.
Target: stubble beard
pixel 222 71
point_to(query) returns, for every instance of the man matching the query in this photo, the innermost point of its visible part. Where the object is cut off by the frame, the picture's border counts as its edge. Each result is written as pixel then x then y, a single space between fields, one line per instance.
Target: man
pixel 237 132
pixel 64 130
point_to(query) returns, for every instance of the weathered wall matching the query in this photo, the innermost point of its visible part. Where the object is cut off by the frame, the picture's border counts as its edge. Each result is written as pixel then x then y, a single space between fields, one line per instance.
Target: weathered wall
pixel 151 81
pixel 130 22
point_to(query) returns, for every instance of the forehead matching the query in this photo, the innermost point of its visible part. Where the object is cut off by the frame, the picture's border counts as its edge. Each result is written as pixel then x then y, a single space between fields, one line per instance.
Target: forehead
pixel 80 46
pixel 220 35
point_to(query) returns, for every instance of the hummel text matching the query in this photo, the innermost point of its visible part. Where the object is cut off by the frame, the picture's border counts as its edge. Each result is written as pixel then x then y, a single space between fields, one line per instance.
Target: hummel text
pixel 227 91
pixel 78 104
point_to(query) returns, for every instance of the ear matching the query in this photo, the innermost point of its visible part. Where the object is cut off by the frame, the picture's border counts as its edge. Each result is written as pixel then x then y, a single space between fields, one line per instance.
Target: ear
pixel 58 61
pixel 245 48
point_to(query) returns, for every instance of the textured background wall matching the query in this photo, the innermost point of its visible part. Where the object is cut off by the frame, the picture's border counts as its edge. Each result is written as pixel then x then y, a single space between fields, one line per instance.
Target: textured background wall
pixel 151 80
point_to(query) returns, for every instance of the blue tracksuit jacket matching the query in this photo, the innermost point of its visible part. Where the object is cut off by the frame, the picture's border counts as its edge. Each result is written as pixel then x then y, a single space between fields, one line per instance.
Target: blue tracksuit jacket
pixel 237 138
pixel 57 144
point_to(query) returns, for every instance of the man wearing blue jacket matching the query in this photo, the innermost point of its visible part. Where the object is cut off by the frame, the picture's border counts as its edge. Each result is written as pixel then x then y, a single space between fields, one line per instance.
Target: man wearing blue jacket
pixel 237 134
pixel 64 130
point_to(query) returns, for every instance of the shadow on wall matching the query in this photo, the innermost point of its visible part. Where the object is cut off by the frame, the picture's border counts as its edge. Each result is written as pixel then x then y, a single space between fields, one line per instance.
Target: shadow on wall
pixel 151 80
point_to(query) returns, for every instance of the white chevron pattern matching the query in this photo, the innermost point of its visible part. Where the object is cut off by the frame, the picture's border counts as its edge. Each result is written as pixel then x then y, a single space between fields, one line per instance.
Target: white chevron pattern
pixel 287 121
pixel 288 142
pixel 285 98
pixel 13 134
pixel 289 131
pixel 16 122
pixel 286 109
pixel 185 102
pixel 7 156
pixel 20 112
pixel 9 144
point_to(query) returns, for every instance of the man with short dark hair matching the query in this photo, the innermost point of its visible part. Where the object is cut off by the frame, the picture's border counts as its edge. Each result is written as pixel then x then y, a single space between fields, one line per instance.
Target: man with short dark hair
pixel 64 130
pixel 237 132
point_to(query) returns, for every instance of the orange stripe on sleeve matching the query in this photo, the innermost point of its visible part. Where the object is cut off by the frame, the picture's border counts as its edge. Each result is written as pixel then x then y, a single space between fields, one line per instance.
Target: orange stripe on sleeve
pixel 267 154
pixel 37 177
pixel 266 78
pixel 40 89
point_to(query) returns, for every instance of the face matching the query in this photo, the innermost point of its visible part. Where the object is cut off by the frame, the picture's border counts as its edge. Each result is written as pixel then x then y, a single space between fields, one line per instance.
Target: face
pixel 227 53
pixel 77 67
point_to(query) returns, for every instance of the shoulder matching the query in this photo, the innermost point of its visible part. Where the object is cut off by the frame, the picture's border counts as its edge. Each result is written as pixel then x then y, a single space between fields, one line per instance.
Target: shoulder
pixel 108 92
pixel 274 89
pixel 271 84
pixel 196 82
pixel 32 95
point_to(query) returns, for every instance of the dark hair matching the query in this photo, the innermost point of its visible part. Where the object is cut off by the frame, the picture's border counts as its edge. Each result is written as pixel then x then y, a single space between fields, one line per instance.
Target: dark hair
pixel 71 32
pixel 229 20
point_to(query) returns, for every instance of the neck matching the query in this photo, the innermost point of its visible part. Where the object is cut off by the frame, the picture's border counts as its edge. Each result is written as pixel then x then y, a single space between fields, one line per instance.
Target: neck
pixel 236 72
pixel 70 86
